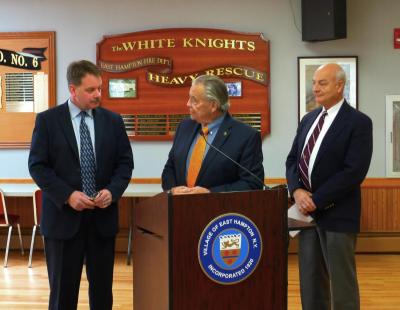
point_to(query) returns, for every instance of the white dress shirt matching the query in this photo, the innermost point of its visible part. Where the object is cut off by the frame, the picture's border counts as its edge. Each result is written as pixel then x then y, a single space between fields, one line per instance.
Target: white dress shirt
pixel 329 118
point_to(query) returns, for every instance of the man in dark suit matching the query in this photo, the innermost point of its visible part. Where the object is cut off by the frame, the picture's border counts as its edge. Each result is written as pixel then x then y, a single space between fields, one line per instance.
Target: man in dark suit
pixel 81 158
pixel 192 165
pixel 329 159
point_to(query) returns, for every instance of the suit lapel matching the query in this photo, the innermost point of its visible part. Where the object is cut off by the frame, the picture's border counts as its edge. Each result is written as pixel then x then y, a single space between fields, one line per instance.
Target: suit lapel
pixel 336 127
pixel 222 135
pixel 66 125
pixel 98 119
pixel 304 132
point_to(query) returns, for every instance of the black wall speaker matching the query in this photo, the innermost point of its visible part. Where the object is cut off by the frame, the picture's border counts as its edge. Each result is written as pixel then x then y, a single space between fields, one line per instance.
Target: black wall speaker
pixel 323 20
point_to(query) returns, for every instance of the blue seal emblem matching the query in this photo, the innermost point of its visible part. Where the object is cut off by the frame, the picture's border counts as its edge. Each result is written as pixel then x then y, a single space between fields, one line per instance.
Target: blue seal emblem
pixel 229 248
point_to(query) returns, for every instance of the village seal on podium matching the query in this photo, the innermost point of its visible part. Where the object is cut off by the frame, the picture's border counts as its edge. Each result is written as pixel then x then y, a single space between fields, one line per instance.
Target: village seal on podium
pixel 230 248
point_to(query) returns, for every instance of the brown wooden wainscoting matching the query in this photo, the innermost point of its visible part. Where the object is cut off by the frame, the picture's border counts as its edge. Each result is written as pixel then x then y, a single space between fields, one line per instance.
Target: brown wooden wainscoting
pixel 380 220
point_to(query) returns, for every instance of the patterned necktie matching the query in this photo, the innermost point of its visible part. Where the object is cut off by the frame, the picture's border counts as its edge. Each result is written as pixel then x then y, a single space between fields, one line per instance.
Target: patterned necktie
pixel 197 158
pixel 88 162
pixel 305 156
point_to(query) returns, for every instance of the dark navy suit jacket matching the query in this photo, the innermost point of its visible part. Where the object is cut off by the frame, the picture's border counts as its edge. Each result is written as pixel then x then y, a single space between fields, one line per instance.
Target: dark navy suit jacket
pixel 54 166
pixel 239 141
pixel 340 167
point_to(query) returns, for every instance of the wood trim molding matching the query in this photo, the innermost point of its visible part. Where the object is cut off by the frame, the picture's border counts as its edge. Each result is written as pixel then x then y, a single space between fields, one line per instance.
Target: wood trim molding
pixel 145 181
pixel 368 183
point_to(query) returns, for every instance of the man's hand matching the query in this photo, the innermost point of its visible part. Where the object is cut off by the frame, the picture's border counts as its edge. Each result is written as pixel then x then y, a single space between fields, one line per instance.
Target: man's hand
pixel 180 190
pixel 304 201
pixel 79 201
pixel 183 190
pixel 103 199
pixel 199 190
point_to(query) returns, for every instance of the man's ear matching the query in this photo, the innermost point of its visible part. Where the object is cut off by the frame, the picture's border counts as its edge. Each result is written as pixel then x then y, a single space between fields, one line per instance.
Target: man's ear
pixel 214 106
pixel 72 89
pixel 341 85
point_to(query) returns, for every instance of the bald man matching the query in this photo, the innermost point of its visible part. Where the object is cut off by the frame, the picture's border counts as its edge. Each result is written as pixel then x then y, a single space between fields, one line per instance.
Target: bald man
pixel 326 165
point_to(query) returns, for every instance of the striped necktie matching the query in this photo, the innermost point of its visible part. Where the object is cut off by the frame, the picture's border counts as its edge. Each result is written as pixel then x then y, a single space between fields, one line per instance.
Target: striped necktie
pixel 87 159
pixel 305 156
pixel 197 158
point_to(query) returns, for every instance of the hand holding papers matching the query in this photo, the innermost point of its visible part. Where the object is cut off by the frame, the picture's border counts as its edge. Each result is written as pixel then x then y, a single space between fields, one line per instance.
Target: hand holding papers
pixel 294 213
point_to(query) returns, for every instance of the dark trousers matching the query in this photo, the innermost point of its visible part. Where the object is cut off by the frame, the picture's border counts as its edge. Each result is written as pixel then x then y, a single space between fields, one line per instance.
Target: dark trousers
pixel 65 260
pixel 328 277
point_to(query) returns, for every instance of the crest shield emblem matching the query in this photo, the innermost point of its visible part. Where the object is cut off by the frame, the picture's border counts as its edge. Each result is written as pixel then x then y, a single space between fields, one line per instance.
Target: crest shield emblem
pixel 230 246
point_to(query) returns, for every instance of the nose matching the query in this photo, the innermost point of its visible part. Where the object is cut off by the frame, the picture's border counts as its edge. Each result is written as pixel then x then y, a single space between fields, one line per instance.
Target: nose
pixel 188 104
pixel 315 88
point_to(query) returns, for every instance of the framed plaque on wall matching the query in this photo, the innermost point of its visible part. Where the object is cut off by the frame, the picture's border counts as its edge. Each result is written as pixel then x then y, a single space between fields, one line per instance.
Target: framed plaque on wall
pixel 27 83
pixel 147 76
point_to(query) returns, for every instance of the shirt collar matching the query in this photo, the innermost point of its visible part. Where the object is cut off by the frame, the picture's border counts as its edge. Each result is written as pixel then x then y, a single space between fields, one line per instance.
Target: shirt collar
pixel 335 108
pixel 74 110
pixel 215 124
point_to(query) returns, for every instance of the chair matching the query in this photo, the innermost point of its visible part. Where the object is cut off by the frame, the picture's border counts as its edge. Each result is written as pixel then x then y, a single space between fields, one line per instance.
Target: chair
pixel 37 212
pixel 9 220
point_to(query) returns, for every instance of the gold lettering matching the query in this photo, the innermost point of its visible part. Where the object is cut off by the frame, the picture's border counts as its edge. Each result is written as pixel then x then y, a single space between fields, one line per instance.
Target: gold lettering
pixel 143 45
pixel 241 43
pixel 153 77
pixel 220 71
pixel 164 79
pixel 247 73
pixel 194 76
pixel 187 42
pixel 251 46
pixel 106 66
pixel 176 81
pixel 230 44
pixel 201 42
pixel 129 45
pixel 260 76
pixel 238 71
pixel 170 43
pixel 218 43
pixel 210 72
pixel 228 70
pixel 160 43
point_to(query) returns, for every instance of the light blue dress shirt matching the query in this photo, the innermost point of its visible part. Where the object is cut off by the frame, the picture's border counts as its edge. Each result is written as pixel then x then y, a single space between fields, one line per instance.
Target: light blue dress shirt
pixel 213 128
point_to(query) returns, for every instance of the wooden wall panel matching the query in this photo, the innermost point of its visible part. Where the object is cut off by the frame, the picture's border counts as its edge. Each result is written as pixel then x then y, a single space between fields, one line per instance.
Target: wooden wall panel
pixel 380 210
pixel 380 220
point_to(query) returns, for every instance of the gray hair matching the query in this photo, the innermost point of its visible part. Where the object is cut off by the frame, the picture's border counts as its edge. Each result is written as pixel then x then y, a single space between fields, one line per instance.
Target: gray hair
pixel 341 75
pixel 214 90
pixel 78 69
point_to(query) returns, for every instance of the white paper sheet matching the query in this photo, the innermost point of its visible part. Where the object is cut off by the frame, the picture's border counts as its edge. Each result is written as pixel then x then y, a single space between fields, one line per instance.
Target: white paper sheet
pixel 294 213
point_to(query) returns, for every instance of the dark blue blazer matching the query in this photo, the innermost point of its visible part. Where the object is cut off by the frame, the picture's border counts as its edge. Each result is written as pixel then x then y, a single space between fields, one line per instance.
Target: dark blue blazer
pixel 340 167
pixel 239 141
pixel 54 166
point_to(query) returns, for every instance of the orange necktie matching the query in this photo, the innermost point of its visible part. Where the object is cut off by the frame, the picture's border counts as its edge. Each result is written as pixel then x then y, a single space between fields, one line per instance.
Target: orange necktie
pixel 197 158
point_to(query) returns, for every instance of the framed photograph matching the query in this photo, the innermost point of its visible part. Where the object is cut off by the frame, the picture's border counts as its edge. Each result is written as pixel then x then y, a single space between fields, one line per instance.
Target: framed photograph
pixel 393 136
pixel 306 69
pixel 122 88
pixel 234 89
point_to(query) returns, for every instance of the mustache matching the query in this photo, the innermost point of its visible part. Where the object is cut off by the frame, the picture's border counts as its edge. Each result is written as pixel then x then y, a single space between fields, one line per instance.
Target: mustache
pixel 95 100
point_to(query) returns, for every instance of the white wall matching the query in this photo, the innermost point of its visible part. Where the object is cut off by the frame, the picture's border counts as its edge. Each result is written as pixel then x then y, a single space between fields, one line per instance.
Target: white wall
pixel 79 25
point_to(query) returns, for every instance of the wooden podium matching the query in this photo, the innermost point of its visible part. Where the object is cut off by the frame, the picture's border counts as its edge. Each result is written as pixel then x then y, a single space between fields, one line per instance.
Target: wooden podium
pixel 167 272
